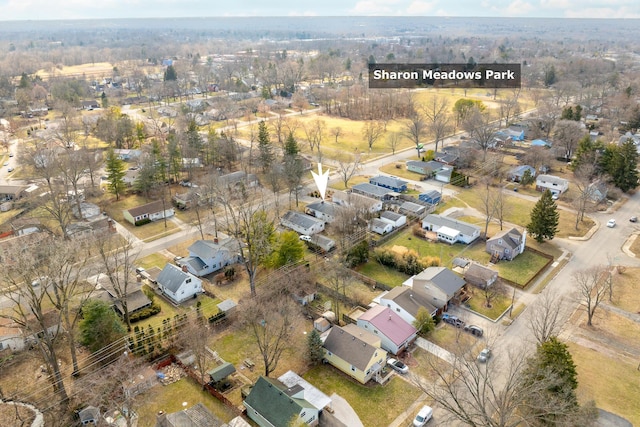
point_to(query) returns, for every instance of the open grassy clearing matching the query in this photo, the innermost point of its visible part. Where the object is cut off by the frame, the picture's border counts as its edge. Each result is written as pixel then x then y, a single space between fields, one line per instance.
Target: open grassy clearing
pixel 170 398
pixel 625 294
pixel 401 172
pixel 613 382
pixel 614 327
pixel 499 304
pixel 484 95
pixel 382 274
pixel 389 400
pixel 451 338
pixel 358 179
pixel 153 260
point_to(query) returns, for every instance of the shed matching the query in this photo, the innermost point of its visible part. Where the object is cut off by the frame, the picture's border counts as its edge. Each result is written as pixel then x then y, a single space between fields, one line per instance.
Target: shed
pixel 433 197
pixel 413 209
pixel 321 324
pixel 221 372
pixel 380 227
pixel 395 219
pixel 227 306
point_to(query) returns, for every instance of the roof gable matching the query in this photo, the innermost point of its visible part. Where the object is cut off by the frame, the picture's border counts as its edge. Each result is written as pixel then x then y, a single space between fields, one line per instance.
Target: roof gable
pixel 149 208
pixel 446 280
pixel 268 396
pixel 172 277
pixel 350 348
pixel 410 299
pixel 389 323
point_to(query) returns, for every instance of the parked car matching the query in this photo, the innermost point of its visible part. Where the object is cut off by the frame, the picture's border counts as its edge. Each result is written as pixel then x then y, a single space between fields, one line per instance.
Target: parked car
pixel 453 320
pixel 177 259
pixel 140 270
pixel 305 238
pixel 484 355
pixel 633 219
pixel 423 416
pixel 611 223
pixel 10 170
pixel 398 365
pixel 474 330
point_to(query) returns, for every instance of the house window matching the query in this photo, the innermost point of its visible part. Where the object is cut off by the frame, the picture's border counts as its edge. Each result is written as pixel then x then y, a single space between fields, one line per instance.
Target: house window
pixel 302 414
pixel 353 368
pixel 375 331
pixel 506 251
pixel 329 353
pixel 398 310
pixel 188 280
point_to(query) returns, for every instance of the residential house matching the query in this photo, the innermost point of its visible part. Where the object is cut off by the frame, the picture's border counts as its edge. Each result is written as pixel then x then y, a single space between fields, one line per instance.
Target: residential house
pixel 480 276
pixel 11 247
pixel 395 219
pixel 152 211
pixel 11 337
pixel 444 175
pixel 597 191
pixel 396 334
pixel 518 172
pixel 516 133
pixel 89 415
pixel 451 230
pixel 440 283
pixel 406 302
pixel 301 223
pixel 322 242
pixel 311 394
pixel 11 192
pixel 186 200
pixel 448 158
pixel 32 330
pixel 374 191
pixel 413 209
pixel 358 201
pixel 428 169
pixel 130 177
pixel 90 229
pixel 507 244
pixel 432 197
pixel 234 180
pixel 325 211
pixel 353 353
pixel 135 298
pixel 178 285
pixel 208 256
pixel 379 226
pixel 128 155
pixel 272 404
pixel 541 143
pixel 391 182
pixel 90 105
pixel 552 183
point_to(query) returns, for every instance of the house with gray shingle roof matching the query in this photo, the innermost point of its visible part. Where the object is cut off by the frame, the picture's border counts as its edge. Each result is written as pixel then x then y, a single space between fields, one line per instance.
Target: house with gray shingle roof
pixel 151 211
pixel 555 184
pixel 302 223
pixel 272 404
pixel 325 211
pixel 406 302
pixel 480 276
pixel 439 283
pixel 451 230
pixel 507 244
pixel 207 256
pixel 374 191
pixel 391 182
pixel 353 354
pixel 178 285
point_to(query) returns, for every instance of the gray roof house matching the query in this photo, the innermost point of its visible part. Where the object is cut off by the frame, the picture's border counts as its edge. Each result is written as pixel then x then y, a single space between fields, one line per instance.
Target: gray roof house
pixel 440 283
pixel 301 223
pixel 152 211
pixel 555 184
pixel 379 226
pixel 406 302
pixel 390 182
pixel 374 191
pixel 507 244
pixel 424 168
pixel 518 172
pixel 357 352
pixel 325 211
pixel 451 230
pixel 208 256
pixel 178 285
pixel 393 218
pixel 358 201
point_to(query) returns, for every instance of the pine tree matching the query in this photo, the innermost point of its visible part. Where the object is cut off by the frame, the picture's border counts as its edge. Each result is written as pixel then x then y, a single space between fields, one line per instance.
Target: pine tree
pixel 291 146
pixel 170 74
pixel 264 145
pixel 314 345
pixel 115 174
pixel 544 218
pixel 620 162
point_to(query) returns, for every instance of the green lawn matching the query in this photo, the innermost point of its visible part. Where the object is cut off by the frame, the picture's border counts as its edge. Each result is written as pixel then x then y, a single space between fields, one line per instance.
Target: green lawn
pixel 451 338
pixel 382 274
pixel 521 269
pixel 401 171
pixel 170 398
pixel 376 405
pixel 153 260
pixel 147 232
pixel 499 304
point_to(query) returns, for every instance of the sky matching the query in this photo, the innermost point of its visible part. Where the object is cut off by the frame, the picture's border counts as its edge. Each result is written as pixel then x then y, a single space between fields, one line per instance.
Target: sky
pixel 11 10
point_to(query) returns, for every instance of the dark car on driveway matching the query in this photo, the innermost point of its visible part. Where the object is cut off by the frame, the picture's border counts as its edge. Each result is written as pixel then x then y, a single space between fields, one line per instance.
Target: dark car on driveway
pixel 474 330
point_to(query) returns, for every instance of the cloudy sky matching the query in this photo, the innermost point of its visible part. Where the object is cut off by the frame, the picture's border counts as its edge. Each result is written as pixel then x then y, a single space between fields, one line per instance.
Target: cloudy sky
pixel 93 9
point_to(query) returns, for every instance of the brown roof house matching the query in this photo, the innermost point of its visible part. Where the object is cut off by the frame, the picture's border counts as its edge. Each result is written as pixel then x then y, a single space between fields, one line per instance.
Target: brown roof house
pixel 480 276
pixel 150 212
pixel 353 353
pixel 406 302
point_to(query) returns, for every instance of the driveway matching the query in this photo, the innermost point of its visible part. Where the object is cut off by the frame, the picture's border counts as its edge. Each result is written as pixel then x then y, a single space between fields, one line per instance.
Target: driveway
pixel 343 414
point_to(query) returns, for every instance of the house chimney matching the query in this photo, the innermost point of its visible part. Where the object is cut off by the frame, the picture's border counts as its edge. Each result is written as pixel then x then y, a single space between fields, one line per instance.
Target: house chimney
pixel 184 268
pixel 215 240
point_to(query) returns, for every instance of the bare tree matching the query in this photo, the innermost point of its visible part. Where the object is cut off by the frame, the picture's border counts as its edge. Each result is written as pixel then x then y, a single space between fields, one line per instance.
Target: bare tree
pixel 338 278
pixel 482 129
pixel 347 169
pixel 592 288
pixel 488 197
pixel 436 112
pixel 567 134
pixel 193 337
pixel 544 314
pixel 582 182
pixel 502 206
pixel 270 320
pixel 371 132
pixel 393 141
pixel 314 132
pixel 490 293
pixel 117 256
pixel 415 128
pixel 336 132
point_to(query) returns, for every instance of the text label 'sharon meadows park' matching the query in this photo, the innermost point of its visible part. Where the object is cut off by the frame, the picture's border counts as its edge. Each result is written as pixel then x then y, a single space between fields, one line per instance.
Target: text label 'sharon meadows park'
pixel 444 75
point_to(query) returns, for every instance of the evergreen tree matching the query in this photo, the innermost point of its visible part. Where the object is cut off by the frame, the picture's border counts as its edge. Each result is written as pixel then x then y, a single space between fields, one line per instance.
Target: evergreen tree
pixel 621 162
pixel 527 178
pixel 291 147
pixel 544 218
pixel 314 345
pixel 264 145
pixel 288 248
pixel 587 152
pixel 115 169
pixel 100 325
pixel 552 364
pixel 170 74
pixel 104 100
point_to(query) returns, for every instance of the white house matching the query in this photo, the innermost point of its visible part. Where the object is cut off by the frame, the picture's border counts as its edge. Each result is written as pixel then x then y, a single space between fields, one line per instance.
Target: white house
pixel 207 256
pixel 406 302
pixel 380 227
pixel 395 333
pixel 152 211
pixel 325 211
pixel 178 285
pixel 301 223
pixel 451 230
pixel 555 184
pixel 395 219
pixel 444 174
pixel 359 201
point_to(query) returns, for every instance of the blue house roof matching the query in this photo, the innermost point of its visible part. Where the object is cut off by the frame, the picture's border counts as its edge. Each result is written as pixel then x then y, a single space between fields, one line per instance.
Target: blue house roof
pixel 540 143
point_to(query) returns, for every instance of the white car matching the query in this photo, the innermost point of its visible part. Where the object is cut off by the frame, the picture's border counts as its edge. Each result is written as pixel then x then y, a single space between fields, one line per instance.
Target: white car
pixel 305 238
pixel 398 366
pixel 611 223
pixel 423 416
